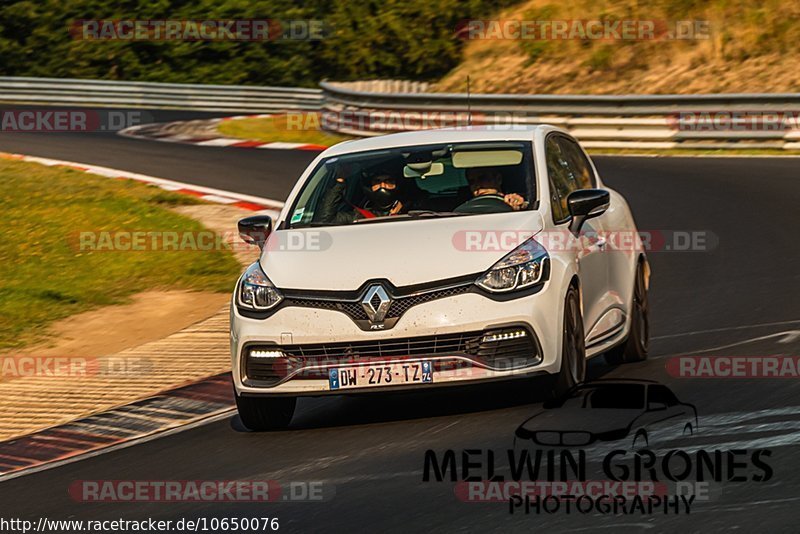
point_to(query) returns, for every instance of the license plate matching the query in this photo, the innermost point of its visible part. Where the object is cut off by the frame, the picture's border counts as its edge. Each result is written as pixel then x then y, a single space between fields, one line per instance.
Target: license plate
pixel 364 376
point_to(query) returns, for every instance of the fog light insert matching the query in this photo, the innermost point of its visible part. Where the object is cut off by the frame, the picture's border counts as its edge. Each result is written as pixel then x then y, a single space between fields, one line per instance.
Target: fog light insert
pixel 504 349
pixel 268 365
pixel 503 336
pixel 266 353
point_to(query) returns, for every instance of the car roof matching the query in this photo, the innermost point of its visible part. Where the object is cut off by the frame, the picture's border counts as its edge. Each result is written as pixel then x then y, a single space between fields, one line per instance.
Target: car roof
pixel 442 135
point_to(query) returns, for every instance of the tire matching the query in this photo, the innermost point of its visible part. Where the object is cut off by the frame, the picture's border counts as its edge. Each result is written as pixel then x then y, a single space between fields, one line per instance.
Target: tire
pixel 271 413
pixel 573 347
pixel 635 346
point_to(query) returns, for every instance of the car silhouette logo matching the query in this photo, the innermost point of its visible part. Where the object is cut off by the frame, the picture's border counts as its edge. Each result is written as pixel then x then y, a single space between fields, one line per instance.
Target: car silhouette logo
pixel 637 411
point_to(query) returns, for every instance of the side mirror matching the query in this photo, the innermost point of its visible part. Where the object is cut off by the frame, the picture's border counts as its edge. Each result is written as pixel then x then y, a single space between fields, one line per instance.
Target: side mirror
pixel 656 406
pixel 586 204
pixel 254 230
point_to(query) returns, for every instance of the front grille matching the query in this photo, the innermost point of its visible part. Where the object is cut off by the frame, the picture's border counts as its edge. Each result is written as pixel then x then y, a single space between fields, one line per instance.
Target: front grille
pixel 576 438
pixel 355 311
pixel 500 354
pixel 352 309
pixel 381 348
pixel 569 439
pixel 548 438
pixel 402 304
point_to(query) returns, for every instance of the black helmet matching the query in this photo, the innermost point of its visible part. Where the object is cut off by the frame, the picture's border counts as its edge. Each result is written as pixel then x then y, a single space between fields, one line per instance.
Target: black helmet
pixel 381 197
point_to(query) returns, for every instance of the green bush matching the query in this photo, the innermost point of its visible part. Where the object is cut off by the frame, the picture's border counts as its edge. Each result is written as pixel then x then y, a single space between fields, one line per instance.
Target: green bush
pixel 411 39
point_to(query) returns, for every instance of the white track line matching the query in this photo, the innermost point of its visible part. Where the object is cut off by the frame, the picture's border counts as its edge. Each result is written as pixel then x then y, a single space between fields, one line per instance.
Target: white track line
pixel 171 185
pixel 727 329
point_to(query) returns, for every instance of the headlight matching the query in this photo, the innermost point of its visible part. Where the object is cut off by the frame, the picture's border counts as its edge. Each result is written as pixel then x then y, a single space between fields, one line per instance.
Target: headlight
pixel 255 291
pixel 521 268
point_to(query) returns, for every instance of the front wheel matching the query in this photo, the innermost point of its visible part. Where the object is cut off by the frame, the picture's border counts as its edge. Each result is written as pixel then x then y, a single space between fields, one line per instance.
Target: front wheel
pixel 573 347
pixel 270 413
pixel 635 346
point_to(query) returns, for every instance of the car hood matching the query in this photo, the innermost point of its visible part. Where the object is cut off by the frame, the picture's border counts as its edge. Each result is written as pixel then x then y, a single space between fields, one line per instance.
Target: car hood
pixel 405 252
pixel 594 420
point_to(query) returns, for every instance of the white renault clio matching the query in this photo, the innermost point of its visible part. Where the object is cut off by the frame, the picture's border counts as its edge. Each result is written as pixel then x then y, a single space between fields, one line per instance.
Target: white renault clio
pixel 437 258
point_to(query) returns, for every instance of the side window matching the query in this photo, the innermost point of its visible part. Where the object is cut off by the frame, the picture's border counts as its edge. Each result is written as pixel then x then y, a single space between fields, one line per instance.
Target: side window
pixel 662 394
pixel 579 165
pixel 562 179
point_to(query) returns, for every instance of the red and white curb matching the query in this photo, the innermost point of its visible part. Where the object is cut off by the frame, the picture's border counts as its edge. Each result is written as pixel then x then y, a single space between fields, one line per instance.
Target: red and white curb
pixel 162 132
pixel 170 411
pixel 217 196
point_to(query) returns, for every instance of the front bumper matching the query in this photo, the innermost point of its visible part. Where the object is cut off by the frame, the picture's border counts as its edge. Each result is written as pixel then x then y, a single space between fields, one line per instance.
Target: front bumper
pixel 539 314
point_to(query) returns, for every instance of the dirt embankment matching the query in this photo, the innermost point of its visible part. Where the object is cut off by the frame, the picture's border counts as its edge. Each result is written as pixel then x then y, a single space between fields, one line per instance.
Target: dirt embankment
pixel 734 47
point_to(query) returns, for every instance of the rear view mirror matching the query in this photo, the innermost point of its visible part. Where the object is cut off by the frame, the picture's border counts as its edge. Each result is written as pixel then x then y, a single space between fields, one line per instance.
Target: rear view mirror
pixel 435 169
pixel 586 204
pixel 254 230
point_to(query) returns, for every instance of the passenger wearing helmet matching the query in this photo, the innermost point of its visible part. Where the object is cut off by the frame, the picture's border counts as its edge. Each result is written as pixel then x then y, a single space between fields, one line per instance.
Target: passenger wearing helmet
pixel 381 190
pixel 485 184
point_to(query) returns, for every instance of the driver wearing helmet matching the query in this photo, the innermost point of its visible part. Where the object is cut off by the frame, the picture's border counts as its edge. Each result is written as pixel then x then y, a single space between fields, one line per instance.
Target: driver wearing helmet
pixel 485 184
pixel 381 190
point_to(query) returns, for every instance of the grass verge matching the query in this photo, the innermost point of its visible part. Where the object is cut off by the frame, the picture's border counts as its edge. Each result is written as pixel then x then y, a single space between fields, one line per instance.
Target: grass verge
pixel 46 275
pixel 292 128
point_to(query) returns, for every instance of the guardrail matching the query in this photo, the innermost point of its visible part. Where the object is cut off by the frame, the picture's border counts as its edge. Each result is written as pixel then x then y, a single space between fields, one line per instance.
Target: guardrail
pixel 103 93
pixel 599 121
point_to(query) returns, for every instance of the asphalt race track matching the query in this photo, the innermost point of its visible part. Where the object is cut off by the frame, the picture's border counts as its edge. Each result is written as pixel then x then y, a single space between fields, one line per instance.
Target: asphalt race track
pixel 739 298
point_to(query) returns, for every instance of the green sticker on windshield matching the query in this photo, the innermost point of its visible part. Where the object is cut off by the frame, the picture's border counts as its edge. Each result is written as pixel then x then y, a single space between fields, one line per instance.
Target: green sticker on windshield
pixel 298 215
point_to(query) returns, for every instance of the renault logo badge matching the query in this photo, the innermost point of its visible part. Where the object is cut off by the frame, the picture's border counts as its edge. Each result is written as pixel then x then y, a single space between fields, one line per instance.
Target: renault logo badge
pixel 376 303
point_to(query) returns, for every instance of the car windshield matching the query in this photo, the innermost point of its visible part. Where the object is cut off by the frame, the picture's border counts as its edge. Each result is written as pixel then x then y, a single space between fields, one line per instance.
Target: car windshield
pixel 609 396
pixel 418 181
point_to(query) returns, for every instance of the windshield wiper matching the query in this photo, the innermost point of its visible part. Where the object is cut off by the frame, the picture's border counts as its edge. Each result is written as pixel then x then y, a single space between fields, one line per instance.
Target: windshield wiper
pixel 379 218
pixel 431 213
